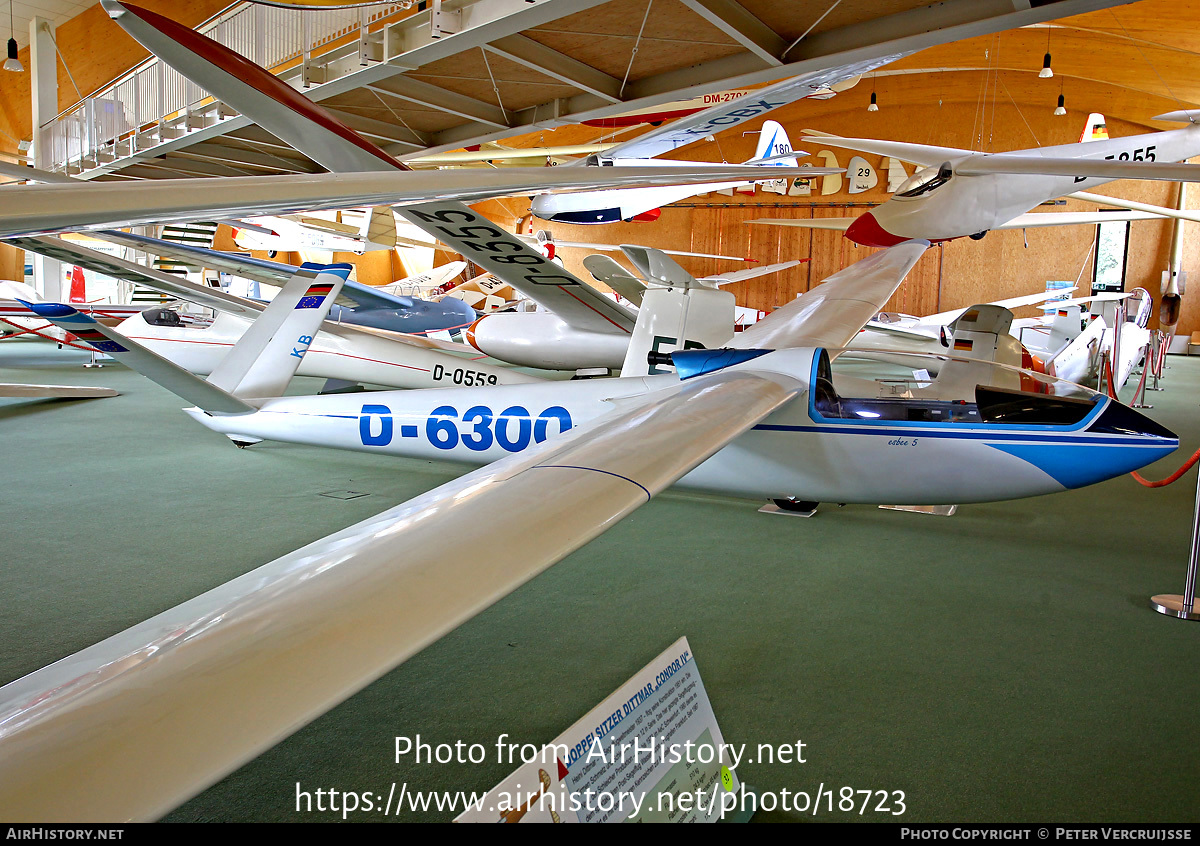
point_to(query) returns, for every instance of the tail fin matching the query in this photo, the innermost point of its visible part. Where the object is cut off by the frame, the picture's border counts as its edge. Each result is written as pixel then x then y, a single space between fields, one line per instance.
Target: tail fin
pixel 775 146
pixel 379 226
pixel 260 364
pixel 78 285
pixel 980 337
pixel 677 313
pixel 265 359
pixel 1095 129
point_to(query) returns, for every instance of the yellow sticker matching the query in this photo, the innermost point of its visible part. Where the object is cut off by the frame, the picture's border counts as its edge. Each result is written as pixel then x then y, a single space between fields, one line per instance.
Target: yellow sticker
pixel 727 779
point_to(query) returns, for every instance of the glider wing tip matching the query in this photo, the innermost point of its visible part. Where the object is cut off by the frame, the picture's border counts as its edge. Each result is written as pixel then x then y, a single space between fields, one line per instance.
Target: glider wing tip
pixel 49 309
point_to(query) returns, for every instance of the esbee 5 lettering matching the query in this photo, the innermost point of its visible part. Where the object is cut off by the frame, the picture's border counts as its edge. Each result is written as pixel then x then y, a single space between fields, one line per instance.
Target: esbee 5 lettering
pixel 513 429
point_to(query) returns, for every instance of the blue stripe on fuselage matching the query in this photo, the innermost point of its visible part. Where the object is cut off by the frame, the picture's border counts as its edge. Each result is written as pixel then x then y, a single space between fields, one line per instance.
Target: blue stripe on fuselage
pixel 1075 465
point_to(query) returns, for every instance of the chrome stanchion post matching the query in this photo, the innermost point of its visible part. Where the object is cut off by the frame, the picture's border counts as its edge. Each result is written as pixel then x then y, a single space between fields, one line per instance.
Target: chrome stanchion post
pixel 1139 393
pixel 1160 345
pixel 1174 605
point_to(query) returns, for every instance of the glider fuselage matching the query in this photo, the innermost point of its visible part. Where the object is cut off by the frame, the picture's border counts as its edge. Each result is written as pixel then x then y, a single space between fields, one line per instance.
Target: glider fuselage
pixel 818 447
pixel 971 204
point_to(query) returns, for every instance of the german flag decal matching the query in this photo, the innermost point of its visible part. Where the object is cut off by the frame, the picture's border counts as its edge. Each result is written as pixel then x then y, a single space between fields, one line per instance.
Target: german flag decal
pixel 98 340
pixel 965 344
pixel 315 295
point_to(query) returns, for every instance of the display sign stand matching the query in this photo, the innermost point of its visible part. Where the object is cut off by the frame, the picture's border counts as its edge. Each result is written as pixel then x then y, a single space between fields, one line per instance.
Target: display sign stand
pixel 1174 605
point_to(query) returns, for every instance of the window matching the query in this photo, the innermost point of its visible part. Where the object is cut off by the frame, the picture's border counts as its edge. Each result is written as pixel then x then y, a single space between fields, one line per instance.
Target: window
pixel 1112 245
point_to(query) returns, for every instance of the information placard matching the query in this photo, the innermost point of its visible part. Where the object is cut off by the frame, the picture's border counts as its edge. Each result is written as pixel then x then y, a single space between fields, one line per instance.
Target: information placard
pixel 650 752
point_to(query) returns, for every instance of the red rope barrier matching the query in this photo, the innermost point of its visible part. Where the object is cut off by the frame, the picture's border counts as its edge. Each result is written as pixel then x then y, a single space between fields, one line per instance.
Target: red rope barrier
pixel 1138 477
pixel 1174 477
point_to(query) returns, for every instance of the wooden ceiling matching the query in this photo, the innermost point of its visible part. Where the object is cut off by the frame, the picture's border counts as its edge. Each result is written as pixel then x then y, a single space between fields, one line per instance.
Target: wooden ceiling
pixel 1129 62
pixel 527 68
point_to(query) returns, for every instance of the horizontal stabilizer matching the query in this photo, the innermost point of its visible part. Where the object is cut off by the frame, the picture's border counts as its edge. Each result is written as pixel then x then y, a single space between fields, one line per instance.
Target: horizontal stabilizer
pixel 607 271
pixel 750 272
pixel 153 366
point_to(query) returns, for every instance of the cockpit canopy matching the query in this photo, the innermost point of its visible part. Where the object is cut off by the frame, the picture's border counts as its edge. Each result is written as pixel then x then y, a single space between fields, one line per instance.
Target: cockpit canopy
pixel 926 181
pixel 1138 307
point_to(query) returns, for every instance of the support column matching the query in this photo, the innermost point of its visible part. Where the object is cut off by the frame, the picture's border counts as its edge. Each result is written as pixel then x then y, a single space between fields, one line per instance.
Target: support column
pixel 43 73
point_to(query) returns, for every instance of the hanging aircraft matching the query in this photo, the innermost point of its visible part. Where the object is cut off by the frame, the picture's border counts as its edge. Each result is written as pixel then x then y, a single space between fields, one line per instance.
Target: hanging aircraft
pixel 656 115
pixel 964 193
pixel 592 207
pixel 584 327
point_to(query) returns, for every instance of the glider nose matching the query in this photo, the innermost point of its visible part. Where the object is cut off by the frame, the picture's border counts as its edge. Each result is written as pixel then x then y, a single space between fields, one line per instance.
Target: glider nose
pixel 865 230
pixel 471 333
pixel 1120 419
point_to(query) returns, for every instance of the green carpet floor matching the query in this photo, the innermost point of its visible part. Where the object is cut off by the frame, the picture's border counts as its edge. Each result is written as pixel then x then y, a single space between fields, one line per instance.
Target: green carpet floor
pixel 999 665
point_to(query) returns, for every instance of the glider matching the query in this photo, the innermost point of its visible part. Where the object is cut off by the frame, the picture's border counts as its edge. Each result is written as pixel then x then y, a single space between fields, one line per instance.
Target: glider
pixel 961 192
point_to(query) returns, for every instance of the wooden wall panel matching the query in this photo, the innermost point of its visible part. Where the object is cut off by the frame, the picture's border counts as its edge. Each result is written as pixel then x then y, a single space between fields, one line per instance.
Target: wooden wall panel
pixel 12 263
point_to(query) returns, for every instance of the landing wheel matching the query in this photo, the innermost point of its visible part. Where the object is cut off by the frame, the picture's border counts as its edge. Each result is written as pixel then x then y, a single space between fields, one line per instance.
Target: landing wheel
pixel 799 506
pixel 978 236
pixel 273 253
